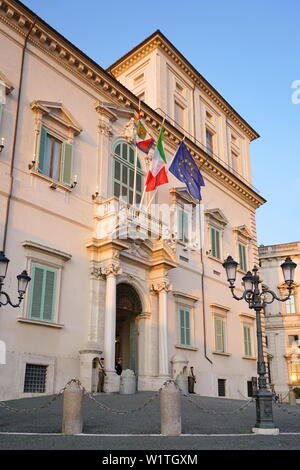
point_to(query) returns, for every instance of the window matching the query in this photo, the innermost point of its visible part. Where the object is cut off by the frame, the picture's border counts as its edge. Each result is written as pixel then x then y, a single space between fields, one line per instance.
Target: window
pixel 215 248
pixel 250 388
pixel 123 173
pixel 182 225
pixel 235 162
pixel 290 305
pixel 209 142
pixel 35 378
pixel 292 339
pixel 242 257
pixel 221 387
pixel 179 114
pixel 179 88
pixel 220 335
pixel 42 295
pixel 185 327
pixel 141 96
pixel 247 341
pixel 55 157
pixel 140 78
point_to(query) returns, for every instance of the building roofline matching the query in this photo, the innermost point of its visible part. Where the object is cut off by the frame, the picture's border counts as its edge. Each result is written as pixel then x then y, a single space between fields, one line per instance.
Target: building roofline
pixel 159 36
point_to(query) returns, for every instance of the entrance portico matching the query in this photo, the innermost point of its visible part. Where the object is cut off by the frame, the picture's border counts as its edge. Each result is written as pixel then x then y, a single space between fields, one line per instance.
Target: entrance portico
pixel 130 319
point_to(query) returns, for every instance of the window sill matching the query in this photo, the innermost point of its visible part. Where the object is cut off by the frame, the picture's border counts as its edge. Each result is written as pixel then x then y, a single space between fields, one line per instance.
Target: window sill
pixel 39 322
pixel 218 260
pixel 249 358
pixel 241 271
pixel 221 353
pixel 56 184
pixel 182 346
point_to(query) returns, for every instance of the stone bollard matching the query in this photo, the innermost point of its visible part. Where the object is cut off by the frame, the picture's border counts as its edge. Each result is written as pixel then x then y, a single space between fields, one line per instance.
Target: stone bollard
pixel 127 382
pixel 292 397
pixel 72 409
pixel 170 410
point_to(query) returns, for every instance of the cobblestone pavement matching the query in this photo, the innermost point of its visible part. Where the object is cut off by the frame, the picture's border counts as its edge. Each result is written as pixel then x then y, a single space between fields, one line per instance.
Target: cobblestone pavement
pixel 145 422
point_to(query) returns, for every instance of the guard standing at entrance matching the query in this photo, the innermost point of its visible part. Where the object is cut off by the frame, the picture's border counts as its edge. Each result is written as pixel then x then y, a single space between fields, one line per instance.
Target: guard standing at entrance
pixel 101 375
pixel 191 380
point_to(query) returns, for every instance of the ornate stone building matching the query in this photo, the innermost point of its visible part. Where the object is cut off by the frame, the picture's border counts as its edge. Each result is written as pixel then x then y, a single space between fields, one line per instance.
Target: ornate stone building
pixel 282 320
pixel 109 277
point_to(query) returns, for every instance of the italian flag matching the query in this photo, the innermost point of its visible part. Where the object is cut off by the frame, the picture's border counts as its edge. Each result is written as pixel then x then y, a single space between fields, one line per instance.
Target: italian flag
pixel 157 174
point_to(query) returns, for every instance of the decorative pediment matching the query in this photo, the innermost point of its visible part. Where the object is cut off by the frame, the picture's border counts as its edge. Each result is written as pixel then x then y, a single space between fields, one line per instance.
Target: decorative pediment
pixel 243 232
pixel 118 111
pixel 181 194
pixel 58 113
pixel 8 85
pixel 138 250
pixel 163 254
pixel 216 217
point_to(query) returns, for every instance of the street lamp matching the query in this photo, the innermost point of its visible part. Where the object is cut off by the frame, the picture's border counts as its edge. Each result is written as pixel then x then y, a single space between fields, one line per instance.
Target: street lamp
pixel 23 280
pixel 256 299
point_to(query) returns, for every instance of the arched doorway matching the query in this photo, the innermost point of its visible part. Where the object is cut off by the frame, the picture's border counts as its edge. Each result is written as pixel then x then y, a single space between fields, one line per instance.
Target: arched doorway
pixel 128 307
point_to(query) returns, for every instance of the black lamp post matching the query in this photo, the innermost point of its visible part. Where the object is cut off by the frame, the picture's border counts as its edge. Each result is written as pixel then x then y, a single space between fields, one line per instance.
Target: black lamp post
pixel 256 299
pixel 23 280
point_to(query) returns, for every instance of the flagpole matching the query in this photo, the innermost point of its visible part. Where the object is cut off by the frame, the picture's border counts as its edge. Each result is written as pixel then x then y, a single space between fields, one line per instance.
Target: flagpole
pixel 152 198
pixel 142 199
pixel 134 177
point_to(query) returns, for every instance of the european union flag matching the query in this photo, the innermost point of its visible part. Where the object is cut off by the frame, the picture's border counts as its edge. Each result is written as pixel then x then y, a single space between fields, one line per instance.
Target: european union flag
pixel 186 170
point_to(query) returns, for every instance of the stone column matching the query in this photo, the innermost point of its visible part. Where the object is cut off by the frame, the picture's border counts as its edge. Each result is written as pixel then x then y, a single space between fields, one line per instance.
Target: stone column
pixel 162 287
pixel 144 352
pixel 112 380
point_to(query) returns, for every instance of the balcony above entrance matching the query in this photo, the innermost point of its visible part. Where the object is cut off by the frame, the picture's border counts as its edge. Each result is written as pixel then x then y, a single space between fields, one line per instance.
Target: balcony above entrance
pixel 118 219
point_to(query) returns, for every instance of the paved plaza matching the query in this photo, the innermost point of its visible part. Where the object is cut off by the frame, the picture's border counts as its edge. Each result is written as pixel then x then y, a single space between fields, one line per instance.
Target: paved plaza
pixel 202 430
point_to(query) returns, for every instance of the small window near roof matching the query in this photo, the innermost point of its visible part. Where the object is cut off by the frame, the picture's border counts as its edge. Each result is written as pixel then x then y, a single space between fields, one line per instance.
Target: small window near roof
pixel 179 88
pixel 209 142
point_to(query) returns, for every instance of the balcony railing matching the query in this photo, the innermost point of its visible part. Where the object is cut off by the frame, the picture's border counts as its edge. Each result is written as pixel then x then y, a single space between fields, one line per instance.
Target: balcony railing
pixel 118 219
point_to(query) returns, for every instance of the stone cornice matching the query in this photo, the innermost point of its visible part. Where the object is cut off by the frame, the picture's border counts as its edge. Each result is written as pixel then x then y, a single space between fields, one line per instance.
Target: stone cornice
pixel 54 45
pixel 158 40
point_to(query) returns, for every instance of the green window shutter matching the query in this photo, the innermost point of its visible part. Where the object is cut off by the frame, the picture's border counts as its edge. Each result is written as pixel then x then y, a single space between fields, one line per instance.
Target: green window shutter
pixel 42 293
pixel 180 224
pixel 185 330
pixel 242 256
pixel 1 111
pixel 215 242
pixel 247 341
pixel 66 170
pixel 185 227
pixel 36 292
pixel 42 149
pixel 219 335
pixel 182 332
pixel 49 295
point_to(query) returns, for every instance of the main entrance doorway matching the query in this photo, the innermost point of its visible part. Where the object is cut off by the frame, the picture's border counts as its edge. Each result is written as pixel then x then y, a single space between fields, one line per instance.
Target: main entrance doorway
pixel 128 307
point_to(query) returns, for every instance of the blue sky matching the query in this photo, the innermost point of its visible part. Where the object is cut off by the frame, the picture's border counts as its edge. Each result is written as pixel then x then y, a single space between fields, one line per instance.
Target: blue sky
pixel 249 51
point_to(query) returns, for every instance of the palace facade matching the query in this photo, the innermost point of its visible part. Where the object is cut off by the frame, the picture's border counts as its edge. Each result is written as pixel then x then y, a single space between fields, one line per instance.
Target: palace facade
pixel 116 273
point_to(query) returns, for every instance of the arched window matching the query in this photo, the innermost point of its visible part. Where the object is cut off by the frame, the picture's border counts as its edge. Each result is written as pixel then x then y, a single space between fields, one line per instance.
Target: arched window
pixel 123 173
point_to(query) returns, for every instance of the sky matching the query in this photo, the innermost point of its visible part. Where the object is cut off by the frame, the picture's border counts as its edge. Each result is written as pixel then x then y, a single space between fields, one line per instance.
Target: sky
pixel 249 51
